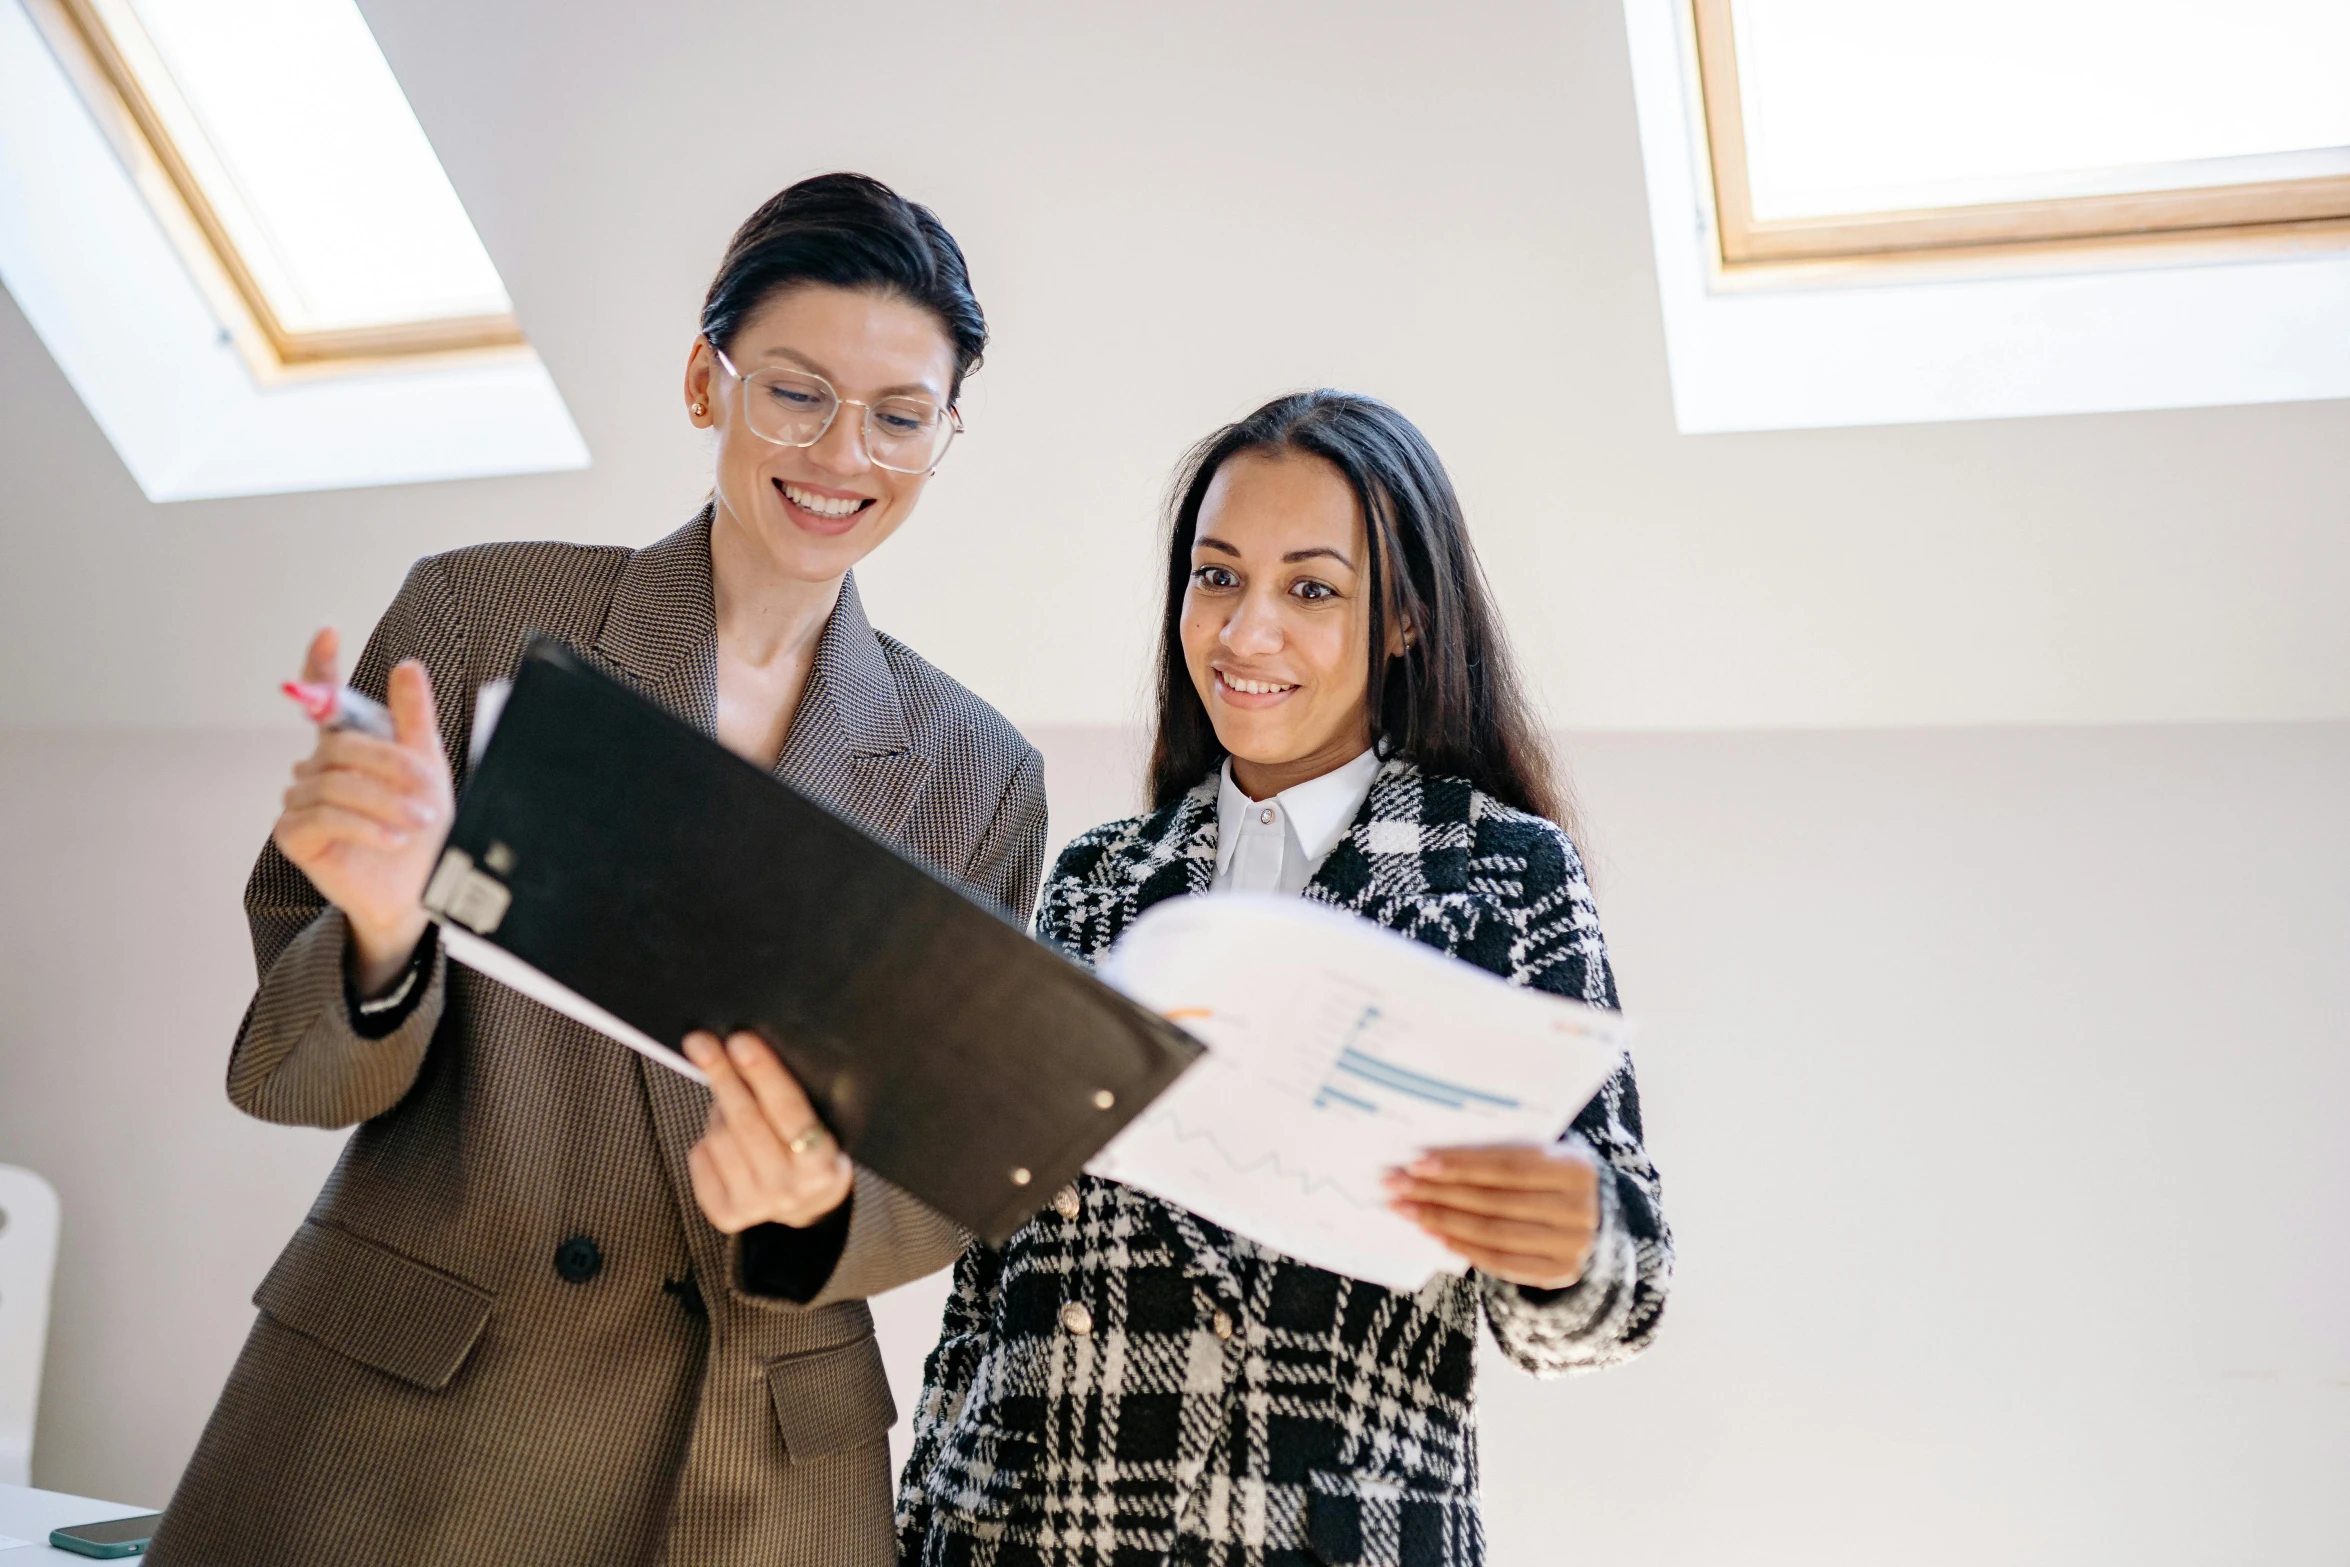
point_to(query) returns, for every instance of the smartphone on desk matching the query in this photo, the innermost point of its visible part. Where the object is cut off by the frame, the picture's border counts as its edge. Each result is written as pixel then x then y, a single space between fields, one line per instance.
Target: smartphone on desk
pixel 114 1537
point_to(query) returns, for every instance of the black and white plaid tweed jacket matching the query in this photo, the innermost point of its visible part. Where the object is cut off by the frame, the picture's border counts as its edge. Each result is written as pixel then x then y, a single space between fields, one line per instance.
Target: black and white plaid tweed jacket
pixel 1126 1383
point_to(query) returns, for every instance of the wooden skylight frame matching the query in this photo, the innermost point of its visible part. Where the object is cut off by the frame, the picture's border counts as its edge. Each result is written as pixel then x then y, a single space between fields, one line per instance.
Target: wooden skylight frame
pixel 95 58
pixel 2285 213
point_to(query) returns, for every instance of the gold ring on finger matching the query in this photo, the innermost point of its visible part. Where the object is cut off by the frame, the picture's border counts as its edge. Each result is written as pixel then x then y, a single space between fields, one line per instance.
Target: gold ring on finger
pixel 806 1140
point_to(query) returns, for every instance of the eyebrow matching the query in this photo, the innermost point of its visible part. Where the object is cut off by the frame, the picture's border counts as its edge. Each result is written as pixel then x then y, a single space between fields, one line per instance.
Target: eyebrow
pixel 1205 543
pixel 903 389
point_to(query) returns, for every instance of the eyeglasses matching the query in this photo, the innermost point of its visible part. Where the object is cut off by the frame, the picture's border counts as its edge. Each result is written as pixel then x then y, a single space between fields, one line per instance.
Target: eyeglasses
pixel 795 408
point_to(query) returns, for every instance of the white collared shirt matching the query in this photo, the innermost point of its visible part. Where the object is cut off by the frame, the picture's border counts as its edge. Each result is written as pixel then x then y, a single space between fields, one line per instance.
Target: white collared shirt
pixel 1276 845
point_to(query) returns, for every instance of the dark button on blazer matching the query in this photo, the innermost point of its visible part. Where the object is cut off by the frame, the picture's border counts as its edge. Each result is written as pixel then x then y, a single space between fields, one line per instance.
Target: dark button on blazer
pixel 422 1386
pixel 578 1260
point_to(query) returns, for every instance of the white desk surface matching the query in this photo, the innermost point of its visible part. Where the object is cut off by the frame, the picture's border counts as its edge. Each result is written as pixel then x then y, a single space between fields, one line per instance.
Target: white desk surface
pixel 26 1514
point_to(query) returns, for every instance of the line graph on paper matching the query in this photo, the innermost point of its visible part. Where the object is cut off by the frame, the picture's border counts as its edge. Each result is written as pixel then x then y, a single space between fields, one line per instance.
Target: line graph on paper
pixel 1336 1051
pixel 1262 1164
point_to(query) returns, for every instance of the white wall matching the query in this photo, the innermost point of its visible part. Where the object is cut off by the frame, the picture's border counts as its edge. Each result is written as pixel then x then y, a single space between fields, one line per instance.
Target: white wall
pixel 1996 1076
pixel 124 969
pixel 1174 212
pixel 1997 1079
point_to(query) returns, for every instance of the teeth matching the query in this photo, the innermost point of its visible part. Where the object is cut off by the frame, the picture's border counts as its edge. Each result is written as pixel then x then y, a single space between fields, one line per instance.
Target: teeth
pixel 821 505
pixel 1251 687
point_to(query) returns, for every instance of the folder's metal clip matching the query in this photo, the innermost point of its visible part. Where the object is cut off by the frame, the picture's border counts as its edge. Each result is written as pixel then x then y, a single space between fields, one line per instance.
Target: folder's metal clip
pixel 472 898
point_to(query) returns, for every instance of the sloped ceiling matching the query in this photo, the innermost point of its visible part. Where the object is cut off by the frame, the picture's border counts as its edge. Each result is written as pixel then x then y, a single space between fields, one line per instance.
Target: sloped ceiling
pixel 1172 213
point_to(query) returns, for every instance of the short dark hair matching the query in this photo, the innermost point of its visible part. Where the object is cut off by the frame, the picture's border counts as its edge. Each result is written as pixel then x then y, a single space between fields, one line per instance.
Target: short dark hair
pixel 848 231
pixel 1452 700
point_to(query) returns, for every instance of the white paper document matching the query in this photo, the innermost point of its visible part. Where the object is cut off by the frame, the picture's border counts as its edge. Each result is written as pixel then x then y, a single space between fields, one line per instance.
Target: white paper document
pixel 487 957
pixel 1337 1050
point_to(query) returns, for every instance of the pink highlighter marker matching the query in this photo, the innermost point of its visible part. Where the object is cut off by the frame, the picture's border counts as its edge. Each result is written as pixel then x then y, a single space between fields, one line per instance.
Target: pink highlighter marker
pixel 340 707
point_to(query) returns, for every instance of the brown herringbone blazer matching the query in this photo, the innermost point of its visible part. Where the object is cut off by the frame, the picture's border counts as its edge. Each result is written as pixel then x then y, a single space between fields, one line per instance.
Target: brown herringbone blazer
pixel 425 1384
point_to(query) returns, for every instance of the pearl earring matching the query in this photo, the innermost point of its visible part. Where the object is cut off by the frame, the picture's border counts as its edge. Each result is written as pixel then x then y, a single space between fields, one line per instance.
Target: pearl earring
pixel 699 410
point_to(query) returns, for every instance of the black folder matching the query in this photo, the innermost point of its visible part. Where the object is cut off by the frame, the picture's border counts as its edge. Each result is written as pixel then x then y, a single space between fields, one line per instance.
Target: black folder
pixel 634 861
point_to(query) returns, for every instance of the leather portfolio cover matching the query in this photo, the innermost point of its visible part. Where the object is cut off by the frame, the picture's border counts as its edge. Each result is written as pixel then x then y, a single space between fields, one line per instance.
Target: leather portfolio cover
pixel 606 846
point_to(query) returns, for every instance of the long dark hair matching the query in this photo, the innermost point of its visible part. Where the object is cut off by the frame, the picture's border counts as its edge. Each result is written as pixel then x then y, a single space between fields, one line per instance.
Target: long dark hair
pixel 1452 701
pixel 848 231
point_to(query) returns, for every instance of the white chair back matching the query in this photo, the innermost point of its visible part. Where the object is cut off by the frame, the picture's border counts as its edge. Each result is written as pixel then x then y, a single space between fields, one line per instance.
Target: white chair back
pixel 28 1260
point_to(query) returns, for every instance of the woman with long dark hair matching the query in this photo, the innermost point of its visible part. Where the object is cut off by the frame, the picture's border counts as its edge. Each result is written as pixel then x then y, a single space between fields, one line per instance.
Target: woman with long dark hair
pixel 1337 717
pixel 557 1305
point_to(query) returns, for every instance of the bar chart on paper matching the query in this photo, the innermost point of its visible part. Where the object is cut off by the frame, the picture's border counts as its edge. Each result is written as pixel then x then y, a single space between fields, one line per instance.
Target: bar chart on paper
pixel 1336 1050
pixel 1363 1080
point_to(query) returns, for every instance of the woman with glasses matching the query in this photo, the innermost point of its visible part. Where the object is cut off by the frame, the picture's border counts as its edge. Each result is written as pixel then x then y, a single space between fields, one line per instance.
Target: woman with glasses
pixel 1338 718
pixel 557 1305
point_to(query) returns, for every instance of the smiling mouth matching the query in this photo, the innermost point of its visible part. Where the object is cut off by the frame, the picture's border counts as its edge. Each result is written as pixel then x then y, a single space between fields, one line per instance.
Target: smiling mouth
pixel 1236 684
pixel 830 507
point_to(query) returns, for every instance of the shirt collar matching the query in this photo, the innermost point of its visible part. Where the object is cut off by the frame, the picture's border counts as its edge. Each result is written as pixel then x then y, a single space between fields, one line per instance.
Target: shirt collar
pixel 1319 810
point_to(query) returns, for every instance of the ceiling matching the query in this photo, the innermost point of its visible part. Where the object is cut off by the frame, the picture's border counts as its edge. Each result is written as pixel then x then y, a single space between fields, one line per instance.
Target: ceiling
pixel 1173 213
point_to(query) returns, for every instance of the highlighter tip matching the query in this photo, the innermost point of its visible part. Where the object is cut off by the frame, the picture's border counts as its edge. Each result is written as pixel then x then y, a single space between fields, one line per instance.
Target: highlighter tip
pixel 313 697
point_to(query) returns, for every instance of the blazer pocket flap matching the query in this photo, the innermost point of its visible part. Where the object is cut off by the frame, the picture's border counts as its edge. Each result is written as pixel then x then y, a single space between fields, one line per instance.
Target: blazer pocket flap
pixel 830 1399
pixel 374 1305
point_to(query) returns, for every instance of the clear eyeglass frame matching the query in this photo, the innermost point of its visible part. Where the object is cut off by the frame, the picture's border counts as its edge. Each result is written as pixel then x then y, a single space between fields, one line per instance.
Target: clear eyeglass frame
pixel 875 443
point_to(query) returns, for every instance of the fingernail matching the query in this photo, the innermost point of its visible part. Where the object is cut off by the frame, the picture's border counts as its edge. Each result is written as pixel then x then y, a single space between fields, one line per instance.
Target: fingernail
pixel 1425 1166
pixel 741 1049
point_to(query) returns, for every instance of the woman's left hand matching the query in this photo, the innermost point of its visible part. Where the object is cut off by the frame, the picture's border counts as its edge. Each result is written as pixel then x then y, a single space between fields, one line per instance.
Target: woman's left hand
pixel 764 1157
pixel 1528 1215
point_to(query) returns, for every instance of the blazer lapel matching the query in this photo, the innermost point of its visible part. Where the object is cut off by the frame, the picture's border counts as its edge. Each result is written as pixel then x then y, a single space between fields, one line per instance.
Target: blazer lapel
pixel 1381 858
pixel 1180 862
pixel 850 745
pixel 660 633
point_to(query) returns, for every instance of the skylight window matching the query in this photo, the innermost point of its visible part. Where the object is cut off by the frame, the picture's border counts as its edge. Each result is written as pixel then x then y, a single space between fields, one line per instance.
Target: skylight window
pixel 282 129
pixel 1893 211
pixel 1857 127
pixel 226 225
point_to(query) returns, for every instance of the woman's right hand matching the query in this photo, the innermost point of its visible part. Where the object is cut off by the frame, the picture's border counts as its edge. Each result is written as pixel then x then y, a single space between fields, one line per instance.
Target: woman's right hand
pixel 364 820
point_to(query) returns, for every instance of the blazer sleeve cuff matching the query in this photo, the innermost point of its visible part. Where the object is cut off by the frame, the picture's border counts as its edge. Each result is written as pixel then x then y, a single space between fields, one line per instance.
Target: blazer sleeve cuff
pixel 1527 1321
pixel 889 1239
pixel 777 1262
pixel 301 1057
pixel 382 1017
